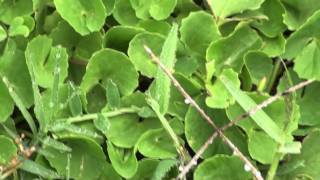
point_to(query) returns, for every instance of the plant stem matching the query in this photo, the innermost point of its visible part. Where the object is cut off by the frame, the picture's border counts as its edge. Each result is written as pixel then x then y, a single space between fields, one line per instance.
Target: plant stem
pixel 274 75
pixel 274 166
pixel 107 114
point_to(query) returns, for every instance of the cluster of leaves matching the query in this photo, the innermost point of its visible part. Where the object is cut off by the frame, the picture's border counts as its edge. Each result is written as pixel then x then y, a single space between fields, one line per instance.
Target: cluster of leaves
pixel 78 81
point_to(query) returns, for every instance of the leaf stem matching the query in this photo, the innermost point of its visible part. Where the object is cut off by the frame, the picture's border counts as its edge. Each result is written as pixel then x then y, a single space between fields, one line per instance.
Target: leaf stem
pixel 106 114
pixel 274 166
pixel 274 75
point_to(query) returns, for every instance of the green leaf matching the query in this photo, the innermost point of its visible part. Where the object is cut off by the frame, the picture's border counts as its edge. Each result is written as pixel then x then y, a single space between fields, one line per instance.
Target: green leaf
pixel 146 168
pixel 308 105
pixel 88 44
pixel 19 103
pixel 13 66
pixel 272 26
pixel 302 36
pixel 260 117
pixel 156 143
pixel 108 173
pixel 161 92
pixel 297 12
pixel 198 30
pixel 118 37
pixel 259 66
pixel 109 6
pixel 102 124
pixel 84 162
pixel 112 94
pixel 38 169
pixel 43 60
pixel 21 26
pixel 123 161
pixel 84 16
pixel 261 147
pixel 221 167
pixel 309 159
pixel 124 13
pixel 11 9
pixel 153 26
pixel 307 63
pixel 197 131
pixel 219 96
pixel 158 10
pixel 229 51
pixel 273 46
pixel 55 144
pixel 8 150
pixel 3 34
pixel 223 9
pixel 131 126
pixel 101 68
pixel 140 57
pixel 7 103
pixel 163 168
pixel 75 104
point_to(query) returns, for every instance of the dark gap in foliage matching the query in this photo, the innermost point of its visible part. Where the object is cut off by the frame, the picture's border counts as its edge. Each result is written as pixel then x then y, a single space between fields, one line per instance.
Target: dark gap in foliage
pixel 144 83
pixel 50 9
pixel 287 33
pixel 281 72
pixel 139 156
pixel 20 122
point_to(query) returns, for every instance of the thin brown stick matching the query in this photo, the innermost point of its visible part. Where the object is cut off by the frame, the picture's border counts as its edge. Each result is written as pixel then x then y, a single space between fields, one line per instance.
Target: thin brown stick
pixel 251 112
pixel 225 139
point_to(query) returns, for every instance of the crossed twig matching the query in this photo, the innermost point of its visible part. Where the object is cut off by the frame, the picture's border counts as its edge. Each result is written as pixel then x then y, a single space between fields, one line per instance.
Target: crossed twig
pixel 219 131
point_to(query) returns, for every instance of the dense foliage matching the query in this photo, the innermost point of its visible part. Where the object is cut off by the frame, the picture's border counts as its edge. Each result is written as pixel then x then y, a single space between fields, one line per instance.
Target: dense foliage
pixel 86 89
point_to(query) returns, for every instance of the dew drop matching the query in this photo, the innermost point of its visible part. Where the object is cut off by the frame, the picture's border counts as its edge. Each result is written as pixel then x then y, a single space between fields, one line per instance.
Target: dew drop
pixel 57 70
pixel 247 167
pixel 10 89
pixel 187 101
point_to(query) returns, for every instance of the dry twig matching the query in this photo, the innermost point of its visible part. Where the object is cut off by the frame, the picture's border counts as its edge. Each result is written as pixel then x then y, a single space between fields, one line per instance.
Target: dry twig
pixel 251 112
pixel 253 169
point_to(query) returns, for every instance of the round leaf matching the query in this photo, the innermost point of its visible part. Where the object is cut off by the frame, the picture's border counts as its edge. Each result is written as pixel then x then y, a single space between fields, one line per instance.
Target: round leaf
pixel 157 144
pixel 198 30
pixel 102 67
pixel 140 57
pixel 221 167
pixel 8 150
pixel 84 16
pixel 85 161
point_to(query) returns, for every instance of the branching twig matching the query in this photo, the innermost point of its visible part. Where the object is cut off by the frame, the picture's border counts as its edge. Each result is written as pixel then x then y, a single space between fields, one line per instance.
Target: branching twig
pixel 251 112
pixel 225 139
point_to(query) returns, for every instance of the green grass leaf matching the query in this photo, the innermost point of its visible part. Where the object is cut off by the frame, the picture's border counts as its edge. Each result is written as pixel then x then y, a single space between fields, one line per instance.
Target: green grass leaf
pixel 161 92
pixel 246 102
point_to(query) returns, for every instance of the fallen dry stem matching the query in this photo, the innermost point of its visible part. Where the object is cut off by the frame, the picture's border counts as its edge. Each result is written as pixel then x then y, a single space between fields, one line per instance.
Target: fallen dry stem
pixel 251 112
pixel 256 173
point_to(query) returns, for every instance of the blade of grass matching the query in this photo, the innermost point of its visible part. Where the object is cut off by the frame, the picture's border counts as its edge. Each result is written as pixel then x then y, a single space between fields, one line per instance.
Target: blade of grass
pixel 168 58
pixel 156 108
pixel 55 86
pixel 256 173
pixel 260 117
pixel 20 105
pixel 265 103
